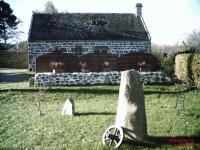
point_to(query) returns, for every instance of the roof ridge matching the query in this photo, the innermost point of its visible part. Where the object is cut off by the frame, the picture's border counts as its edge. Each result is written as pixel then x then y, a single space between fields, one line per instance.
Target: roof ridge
pixel 88 13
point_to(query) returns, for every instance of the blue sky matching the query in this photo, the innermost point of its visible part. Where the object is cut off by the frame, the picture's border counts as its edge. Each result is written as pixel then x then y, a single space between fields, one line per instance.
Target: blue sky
pixel 168 21
pixel 195 7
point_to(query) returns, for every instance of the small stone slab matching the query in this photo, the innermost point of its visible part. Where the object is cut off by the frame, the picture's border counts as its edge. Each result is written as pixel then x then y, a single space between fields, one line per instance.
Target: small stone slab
pixel 68 108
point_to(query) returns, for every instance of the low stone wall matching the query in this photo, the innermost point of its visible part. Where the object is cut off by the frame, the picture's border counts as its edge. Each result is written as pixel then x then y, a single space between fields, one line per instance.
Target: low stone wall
pixel 154 77
pixel 93 78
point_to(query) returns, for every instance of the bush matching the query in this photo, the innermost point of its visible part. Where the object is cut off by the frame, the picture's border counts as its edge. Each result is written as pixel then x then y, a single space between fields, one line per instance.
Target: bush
pixel 187 68
pixel 182 70
pixel 168 64
pixel 11 59
pixel 195 68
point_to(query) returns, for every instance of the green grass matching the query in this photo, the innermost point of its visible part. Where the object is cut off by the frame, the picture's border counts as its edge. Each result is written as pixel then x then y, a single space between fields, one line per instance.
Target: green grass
pixel 21 126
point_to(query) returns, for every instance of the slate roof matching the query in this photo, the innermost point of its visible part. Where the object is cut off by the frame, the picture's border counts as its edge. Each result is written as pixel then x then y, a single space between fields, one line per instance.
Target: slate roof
pixel 86 26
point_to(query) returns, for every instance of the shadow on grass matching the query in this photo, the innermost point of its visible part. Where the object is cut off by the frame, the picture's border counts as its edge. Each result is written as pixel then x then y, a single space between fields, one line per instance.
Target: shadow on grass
pixel 14 77
pixel 94 113
pixel 168 92
pixel 59 90
pixel 6 148
pixel 169 141
pixel 90 91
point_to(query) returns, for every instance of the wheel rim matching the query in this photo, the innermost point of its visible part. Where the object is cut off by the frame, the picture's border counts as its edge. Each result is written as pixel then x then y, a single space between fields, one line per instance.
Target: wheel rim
pixel 113 136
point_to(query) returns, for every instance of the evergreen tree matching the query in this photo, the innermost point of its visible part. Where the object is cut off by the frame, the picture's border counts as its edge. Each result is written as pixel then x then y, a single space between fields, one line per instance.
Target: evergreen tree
pixel 8 21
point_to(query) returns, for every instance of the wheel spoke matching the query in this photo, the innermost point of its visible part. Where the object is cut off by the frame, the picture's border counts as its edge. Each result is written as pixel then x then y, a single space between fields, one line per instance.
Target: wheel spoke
pixel 115 131
pixel 109 132
pixel 116 143
pixel 106 139
pixel 111 141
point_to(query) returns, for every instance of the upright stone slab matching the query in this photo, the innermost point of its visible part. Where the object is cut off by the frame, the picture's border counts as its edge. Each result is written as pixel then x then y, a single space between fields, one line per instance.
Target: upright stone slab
pixel 68 109
pixel 131 114
pixel 31 82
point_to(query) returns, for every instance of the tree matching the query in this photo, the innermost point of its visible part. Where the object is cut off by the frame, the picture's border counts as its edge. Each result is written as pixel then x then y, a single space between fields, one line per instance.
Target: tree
pixel 167 62
pixel 22 46
pixel 193 40
pixel 8 21
pixel 50 8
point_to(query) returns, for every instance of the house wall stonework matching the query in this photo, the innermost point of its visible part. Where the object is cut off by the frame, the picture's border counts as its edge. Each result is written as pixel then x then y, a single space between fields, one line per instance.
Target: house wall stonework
pixel 37 49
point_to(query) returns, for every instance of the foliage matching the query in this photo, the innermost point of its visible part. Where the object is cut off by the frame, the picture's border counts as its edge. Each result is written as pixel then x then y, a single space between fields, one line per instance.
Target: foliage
pixel 182 66
pixel 8 21
pixel 187 68
pixel 14 55
pixel 18 47
pixel 22 46
pixel 12 59
pixel 195 69
pixel 50 8
pixel 22 128
pixel 167 63
pixel 192 49
pixel 193 40
pixel 2 46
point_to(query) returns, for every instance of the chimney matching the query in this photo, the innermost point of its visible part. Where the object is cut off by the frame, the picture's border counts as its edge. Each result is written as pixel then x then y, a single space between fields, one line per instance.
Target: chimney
pixel 139 9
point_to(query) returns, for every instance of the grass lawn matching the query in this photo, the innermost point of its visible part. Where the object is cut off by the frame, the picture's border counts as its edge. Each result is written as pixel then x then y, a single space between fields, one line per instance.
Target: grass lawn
pixel 21 126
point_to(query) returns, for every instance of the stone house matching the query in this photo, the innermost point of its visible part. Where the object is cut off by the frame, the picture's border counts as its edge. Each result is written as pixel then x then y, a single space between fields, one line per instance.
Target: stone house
pixel 68 36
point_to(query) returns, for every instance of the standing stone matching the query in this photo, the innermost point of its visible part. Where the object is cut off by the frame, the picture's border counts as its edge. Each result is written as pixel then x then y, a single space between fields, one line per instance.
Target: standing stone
pixel 31 82
pixel 131 114
pixel 68 108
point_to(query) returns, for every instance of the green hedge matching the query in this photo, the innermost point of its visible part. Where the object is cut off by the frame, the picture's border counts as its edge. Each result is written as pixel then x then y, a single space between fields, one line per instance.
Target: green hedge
pixel 187 68
pixel 195 68
pixel 11 59
pixel 182 66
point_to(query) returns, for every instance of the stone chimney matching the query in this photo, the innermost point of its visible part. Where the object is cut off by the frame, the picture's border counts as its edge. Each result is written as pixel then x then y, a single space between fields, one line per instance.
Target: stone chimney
pixel 139 9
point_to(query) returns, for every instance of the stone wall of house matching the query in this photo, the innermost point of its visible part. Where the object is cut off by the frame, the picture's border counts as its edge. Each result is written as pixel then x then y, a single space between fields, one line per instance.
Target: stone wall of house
pixel 84 47
pixel 94 78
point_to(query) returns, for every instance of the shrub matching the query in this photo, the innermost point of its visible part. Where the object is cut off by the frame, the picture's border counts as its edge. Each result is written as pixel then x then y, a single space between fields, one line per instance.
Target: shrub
pixel 11 59
pixel 195 68
pixel 187 68
pixel 168 64
pixel 182 69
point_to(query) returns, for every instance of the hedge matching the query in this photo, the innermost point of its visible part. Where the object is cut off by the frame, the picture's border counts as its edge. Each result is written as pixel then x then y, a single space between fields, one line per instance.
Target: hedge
pixel 12 59
pixel 195 68
pixel 187 68
pixel 182 66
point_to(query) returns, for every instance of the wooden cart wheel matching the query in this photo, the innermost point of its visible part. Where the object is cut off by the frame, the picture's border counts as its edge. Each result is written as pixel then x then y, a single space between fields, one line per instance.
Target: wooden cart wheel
pixel 113 136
